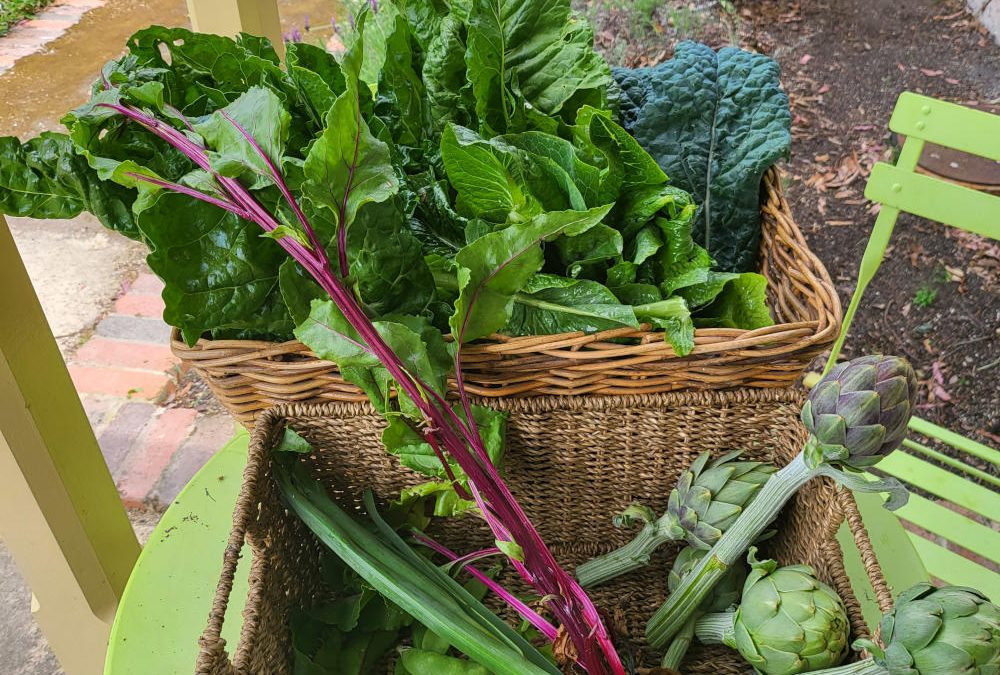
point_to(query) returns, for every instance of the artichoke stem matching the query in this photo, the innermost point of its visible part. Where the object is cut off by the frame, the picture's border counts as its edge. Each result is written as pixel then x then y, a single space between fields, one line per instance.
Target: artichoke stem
pixel 865 667
pixel 679 647
pixel 631 556
pixel 733 543
pixel 715 629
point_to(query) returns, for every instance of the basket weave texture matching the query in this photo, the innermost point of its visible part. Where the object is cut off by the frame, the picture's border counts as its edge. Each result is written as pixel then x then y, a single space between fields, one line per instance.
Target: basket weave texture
pixel 572 463
pixel 250 376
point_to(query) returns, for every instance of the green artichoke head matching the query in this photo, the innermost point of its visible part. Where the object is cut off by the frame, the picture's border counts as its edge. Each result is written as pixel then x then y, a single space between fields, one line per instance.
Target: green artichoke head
pixel 858 412
pixel 725 594
pixel 788 621
pixel 711 495
pixel 940 631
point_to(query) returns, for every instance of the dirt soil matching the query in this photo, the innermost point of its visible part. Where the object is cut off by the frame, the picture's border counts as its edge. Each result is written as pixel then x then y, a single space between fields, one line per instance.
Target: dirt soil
pixel 936 299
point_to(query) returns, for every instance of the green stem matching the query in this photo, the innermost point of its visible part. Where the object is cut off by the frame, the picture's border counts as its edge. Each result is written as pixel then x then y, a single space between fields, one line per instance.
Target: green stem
pixel 679 647
pixel 865 667
pixel 734 542
pixel 631 556
pixel 716 629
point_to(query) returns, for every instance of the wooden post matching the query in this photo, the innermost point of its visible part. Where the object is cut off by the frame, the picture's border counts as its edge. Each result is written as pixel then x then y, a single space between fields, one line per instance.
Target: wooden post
pixel 230 17
pixel 60 513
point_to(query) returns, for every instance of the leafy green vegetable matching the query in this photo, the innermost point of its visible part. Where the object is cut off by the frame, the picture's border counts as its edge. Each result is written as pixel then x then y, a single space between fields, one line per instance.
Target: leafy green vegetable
pixel 44 178
pixel 493 268
pixel 550 304
pixel 529 57
pixel 459 154
pixel 714 122
pixel 188 236
pixel 741 304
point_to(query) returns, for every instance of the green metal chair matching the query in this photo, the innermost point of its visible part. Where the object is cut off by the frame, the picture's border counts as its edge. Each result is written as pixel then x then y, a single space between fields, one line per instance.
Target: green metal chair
pixel 966 477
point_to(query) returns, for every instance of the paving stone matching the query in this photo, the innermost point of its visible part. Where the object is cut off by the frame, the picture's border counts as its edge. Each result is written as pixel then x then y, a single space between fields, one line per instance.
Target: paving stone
pixel 100 409
pixel 211 432
pixel 126 354
pixel 122 382
pixel 23 648
pixel 123 433
pixel 138 328
pixel 164 435
pixel 135 304
pixel 43 24
pixel 149 284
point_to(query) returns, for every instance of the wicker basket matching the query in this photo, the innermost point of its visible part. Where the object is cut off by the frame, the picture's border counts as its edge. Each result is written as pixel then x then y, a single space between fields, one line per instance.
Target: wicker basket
pixel 572 462
pixel 249 376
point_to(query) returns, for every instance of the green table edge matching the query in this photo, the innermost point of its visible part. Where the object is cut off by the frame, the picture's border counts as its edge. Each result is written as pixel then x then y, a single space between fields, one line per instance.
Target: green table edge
pixel 169 594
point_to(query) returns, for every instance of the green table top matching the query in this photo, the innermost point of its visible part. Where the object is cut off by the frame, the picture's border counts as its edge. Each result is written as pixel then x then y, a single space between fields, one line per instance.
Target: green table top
pixel 167 599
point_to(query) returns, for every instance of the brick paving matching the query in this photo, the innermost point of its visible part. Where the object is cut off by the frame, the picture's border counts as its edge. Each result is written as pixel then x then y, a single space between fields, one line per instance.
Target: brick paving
pixel 32 35
pixel 123 373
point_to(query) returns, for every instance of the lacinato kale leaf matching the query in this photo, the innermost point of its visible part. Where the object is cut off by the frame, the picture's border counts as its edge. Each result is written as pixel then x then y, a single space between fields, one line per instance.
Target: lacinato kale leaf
pixel 715 122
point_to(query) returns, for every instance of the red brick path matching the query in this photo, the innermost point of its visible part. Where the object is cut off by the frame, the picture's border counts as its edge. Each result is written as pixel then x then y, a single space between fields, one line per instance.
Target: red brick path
pixel 120 373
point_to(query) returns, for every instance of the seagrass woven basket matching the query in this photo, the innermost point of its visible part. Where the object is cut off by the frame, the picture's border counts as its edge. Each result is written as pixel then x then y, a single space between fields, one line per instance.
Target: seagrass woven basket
pixel 250 376
pixel 572 462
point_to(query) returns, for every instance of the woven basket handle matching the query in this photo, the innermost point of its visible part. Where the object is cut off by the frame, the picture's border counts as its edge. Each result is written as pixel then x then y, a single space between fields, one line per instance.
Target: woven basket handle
pixel 213 659
pixel 863 542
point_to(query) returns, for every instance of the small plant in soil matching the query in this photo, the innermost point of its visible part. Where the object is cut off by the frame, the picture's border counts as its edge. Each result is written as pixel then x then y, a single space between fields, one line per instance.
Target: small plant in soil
pixel 925 296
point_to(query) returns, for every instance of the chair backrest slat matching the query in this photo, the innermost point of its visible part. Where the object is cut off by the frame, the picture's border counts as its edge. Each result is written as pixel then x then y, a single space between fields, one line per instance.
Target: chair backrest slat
pixel 953 126
pixel 966 445
pixel 935 199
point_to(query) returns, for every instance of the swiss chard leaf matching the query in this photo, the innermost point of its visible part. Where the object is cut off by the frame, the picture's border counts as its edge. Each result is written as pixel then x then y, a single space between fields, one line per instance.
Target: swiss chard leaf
pixel 347 167
pixel 714 122
pixel 261 114
pixel 550 304
pixel 189 236
pixel 45 178
pixel 493 268
pixel 525 55
pixel 422 348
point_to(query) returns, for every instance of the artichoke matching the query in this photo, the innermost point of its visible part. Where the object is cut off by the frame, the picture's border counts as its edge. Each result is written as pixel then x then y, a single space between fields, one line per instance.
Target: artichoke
pixel 788 621
pixel 709 497
pixel 934 631
pixel 858 412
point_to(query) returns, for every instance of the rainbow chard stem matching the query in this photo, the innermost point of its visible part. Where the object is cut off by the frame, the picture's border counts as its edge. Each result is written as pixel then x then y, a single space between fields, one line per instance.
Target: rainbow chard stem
pixel 447 434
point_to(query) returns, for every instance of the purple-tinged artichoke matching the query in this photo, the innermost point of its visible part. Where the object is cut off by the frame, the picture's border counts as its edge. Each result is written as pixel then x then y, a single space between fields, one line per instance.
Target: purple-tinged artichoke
pixel 858 412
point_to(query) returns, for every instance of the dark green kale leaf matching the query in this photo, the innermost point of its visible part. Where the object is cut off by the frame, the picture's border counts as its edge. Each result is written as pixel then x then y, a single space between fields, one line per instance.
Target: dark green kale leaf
pixel 715 122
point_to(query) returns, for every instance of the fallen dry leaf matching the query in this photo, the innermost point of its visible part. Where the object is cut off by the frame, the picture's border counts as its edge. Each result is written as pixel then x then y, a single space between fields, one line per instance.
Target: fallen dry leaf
pixel 806 58
pixel 931 73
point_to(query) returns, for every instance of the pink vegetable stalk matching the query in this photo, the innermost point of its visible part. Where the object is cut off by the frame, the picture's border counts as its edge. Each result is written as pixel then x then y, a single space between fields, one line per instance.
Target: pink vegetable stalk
pixel 445 432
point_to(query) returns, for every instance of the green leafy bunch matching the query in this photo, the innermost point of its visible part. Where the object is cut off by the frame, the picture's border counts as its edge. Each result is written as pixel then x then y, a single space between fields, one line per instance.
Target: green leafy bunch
pixel 451 140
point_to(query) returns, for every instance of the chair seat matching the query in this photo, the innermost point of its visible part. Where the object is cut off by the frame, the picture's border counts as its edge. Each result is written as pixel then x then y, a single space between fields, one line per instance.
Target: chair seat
pixel 169 594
